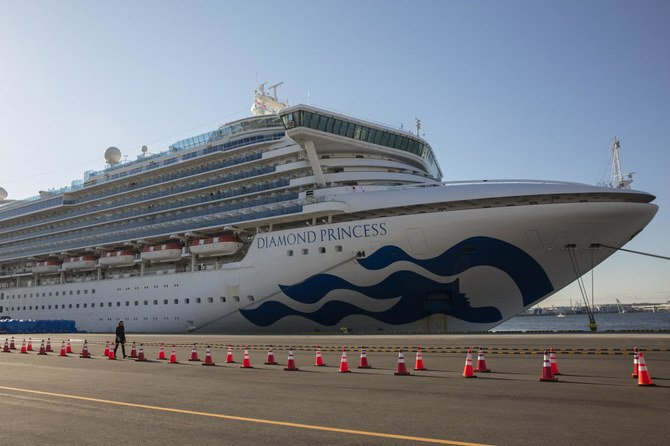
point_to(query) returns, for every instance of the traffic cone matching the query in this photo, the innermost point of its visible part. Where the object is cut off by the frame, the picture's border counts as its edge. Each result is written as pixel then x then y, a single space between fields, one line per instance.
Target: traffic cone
pixel 271 357
pixel 106 352
pixel 173 355
pixel 63 352
pixel 468 371
pixel 635 362
pixel 11 344
pixel 42 350
pixel 208 357
pixel 84 351
pixel 110 353
pixel 363 362
pixel 161 352
pixel 547 374
pixel 194 354
pixel 290 363
pixel 246 362
pixel 552 361
pixel 30 344
pixel 140 355
pixel 481 362
pixel 318 360
pixel 133 351
pixel 229 356
pixel 48 347
pixel 344 363
pixel 68 347
pixel 419 365
pixel 6 349
pixel 401 369
pixel 23 347
pixel 643 379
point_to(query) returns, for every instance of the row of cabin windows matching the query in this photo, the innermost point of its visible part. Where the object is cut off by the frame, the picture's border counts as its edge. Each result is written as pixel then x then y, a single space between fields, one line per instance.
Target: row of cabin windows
pixel 45 294
pixel 321 249
pixel 186 300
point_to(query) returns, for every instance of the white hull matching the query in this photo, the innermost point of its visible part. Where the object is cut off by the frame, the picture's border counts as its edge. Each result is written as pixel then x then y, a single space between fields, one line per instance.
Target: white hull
pixel 475 287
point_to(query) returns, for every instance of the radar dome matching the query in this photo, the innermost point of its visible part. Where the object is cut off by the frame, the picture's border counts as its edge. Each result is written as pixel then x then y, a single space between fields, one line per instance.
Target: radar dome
pixel 3 194
pixel 112 155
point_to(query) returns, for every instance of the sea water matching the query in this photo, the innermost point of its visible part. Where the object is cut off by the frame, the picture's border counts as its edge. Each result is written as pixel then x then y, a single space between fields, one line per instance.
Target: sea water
pixel 579 322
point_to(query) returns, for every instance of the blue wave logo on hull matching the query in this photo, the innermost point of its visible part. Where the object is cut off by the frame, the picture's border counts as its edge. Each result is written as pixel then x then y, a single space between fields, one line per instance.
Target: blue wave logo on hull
pixel 419 296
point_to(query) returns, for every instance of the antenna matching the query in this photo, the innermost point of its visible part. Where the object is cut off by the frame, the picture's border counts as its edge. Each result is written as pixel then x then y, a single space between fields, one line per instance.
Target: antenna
pixel 418 126
pixel 619 180
pixel 274 90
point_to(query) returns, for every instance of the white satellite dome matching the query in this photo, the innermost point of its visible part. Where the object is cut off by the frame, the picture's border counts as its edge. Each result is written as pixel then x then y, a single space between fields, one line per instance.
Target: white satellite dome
pixel 3 194
pixel 112 155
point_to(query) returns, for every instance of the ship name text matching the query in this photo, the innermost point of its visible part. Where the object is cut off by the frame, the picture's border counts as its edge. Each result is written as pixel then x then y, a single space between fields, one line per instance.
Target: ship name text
pixel 321 235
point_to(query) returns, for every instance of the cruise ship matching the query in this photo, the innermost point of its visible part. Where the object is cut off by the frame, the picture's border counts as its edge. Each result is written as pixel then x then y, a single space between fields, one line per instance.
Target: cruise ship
pixel 301 220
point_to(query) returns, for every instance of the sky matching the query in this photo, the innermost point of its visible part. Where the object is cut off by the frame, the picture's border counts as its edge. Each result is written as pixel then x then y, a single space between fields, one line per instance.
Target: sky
pixel 516 89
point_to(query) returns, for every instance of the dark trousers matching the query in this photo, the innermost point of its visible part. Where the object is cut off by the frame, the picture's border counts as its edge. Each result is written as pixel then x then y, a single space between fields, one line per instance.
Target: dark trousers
pixel 123 348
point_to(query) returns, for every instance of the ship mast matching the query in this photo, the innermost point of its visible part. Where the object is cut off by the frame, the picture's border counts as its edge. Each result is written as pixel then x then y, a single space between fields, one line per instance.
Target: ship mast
pixel 619 180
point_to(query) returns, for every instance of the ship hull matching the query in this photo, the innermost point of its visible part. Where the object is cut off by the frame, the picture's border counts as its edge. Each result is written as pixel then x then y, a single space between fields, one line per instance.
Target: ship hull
pixel 435 272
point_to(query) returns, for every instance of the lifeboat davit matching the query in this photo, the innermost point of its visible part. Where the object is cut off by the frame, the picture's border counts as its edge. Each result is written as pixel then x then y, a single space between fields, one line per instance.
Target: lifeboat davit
pixel 125 257
pixel 223 245
pixel 48 266
pixel 80 262
pixel 162 253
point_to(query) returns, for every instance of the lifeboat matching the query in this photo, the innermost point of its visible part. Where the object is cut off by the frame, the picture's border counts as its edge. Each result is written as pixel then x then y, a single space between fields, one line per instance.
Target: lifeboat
pixel 48 266
pixel 125 257
pixel 80 262
pixel 223 245
pixel 162 253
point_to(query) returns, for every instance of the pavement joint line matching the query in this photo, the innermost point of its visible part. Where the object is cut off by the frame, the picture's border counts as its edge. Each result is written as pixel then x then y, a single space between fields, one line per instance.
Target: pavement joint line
pixel 246 419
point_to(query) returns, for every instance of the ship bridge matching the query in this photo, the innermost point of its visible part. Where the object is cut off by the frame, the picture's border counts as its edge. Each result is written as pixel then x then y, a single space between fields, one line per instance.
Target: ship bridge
pixel 320 131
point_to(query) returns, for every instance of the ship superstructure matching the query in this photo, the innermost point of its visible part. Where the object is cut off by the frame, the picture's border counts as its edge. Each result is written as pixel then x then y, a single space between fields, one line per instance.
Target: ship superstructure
pixel 300 219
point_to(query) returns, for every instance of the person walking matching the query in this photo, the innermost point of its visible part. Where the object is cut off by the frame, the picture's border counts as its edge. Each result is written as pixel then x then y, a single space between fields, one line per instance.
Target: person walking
pixel 120 339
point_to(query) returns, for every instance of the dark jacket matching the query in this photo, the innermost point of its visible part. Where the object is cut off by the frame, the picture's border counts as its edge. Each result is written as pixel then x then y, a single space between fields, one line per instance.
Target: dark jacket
pixel 121 334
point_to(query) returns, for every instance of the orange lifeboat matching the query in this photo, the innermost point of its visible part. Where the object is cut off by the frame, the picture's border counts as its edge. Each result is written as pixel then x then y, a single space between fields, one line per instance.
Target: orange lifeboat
pixel 47 266
pixel 162 253
pixel 222 245
pixel 125 257
pixel 80 262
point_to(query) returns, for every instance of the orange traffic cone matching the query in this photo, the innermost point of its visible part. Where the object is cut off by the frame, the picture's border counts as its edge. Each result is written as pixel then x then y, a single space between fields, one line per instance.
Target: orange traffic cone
pixel 133 351
pixel 318 360
pixel 63 352
pixel 6 349
pixel 344 363
pixel 23 347
pixel 84 351
pixel 30 344
pixel 552 361
pixel 290 363
pixel 468 371
pixel 194 354
pixel 111 355
pixel 42 350
pixel 11 344
pixel 363 362
pixel 643 378
pixel 106 352
pixel 173 355
pixel 481 362
pixel 48 347
pixel 68 347
pixel 229 356
pixel 401 368
pixel 418 364
pixel 140 355
pixel 161 352
pixel 246 362
pixel 271 357
pixel 635 362
pixel 208 357
pixel 547 374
